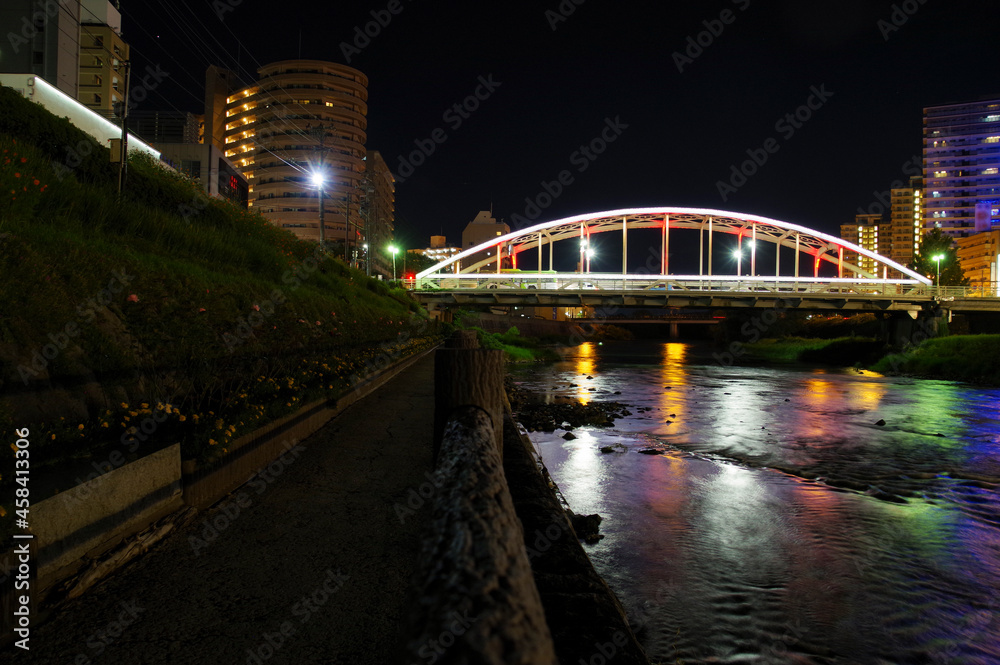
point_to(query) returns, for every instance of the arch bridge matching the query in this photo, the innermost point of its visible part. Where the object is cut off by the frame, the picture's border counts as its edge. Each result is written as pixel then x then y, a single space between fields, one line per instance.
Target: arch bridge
pixel 488 273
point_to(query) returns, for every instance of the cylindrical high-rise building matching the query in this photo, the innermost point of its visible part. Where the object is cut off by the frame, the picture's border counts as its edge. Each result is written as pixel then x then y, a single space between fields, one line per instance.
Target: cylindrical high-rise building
pixel 302 117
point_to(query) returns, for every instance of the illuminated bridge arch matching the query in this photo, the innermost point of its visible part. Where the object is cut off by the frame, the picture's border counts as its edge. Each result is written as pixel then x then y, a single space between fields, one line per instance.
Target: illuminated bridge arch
pixel 816 246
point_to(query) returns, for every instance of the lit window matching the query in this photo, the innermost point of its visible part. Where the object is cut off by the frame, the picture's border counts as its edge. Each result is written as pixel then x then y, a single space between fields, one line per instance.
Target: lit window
pixel 992 118
pixel 992 139
pixel 992 171
pixel 940 174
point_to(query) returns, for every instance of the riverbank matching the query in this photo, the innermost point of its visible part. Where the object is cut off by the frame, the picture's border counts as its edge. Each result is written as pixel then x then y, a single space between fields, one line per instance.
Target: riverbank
pixel 970 358
pixel 840 351
pixel 516 348
pixel 584 615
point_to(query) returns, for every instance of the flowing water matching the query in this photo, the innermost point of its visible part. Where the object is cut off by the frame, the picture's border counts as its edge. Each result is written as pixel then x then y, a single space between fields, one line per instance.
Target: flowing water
pixel 776 521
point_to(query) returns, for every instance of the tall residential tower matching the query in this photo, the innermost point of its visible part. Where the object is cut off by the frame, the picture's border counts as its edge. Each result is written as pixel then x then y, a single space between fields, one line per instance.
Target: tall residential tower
pixel 302 116
pixel 961 164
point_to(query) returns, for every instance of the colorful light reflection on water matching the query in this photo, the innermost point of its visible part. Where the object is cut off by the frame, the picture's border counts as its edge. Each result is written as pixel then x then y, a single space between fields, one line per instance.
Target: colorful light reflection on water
pixel 796 531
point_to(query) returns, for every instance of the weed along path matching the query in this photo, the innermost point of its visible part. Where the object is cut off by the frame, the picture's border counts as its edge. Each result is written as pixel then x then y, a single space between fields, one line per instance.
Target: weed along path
pixel 309 562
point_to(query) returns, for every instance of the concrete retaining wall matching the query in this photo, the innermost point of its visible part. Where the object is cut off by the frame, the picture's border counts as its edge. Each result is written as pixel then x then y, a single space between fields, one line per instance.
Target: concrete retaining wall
pixel 109 507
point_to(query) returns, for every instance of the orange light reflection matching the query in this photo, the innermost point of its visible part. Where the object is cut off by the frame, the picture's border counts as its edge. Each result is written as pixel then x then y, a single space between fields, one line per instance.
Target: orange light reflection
pixel 585 367
pixel 673 372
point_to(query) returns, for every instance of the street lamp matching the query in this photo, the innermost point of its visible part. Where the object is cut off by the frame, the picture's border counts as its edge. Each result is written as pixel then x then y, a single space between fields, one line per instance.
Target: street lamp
pixel 368 261
pixel 938 259
pixel 393 249
pixel 318 179
pixel 738 254
pixel 590 256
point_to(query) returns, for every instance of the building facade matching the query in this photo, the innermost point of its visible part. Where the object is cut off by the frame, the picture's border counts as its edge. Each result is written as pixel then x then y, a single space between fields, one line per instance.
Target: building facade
pixel 906 224
pixel 378 212
pixel 481 229
pixel 438 251
pixel 103 53
pixel 300 118
pixel 205 163
pixel 166 126
pixel 220 84
pixel 864 232
pixel 980 257
pixel 962 167
pixel 47 47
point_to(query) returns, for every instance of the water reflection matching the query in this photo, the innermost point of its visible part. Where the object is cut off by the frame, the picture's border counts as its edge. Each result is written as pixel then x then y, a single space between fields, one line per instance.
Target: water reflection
pixel 585 367
pixel 761 562
pixel 673 378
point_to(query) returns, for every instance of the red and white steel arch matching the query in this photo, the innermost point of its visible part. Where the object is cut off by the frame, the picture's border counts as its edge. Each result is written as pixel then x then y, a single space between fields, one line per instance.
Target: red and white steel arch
pixel 817 245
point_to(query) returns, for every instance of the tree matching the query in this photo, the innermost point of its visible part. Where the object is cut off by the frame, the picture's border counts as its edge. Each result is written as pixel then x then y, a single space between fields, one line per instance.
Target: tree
pixel 933 244
pixel 418 262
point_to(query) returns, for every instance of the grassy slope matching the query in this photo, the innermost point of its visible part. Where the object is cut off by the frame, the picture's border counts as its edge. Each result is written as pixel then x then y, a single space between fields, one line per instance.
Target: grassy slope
pixel 196 269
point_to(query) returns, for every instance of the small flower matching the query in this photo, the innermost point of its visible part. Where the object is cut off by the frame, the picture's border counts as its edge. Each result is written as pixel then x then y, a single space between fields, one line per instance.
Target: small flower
pixel 182 418
pixel 201 310
pixel 256 308
pixel 133 298
pixel 80 426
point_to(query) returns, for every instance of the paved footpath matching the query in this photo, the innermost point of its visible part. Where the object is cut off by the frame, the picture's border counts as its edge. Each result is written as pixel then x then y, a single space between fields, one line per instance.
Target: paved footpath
pixel 316 568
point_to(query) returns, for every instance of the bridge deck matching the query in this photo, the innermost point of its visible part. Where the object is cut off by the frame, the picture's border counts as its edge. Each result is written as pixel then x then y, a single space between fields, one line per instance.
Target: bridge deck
pixel 701 299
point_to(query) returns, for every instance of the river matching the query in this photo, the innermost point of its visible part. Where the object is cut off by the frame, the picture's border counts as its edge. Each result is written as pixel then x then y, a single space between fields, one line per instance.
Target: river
pixel 778 521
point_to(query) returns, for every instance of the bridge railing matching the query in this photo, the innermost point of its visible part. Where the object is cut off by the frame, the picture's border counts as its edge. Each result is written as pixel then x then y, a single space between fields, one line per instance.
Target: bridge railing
pixel 577 282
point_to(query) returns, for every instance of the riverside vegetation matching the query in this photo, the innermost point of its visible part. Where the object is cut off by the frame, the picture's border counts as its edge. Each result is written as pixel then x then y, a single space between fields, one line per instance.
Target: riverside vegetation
pixel 165 316
pixel 853 342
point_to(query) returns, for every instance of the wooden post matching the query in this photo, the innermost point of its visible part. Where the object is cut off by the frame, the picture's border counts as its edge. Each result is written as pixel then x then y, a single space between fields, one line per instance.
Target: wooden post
pixel 465 375
pixel 474 562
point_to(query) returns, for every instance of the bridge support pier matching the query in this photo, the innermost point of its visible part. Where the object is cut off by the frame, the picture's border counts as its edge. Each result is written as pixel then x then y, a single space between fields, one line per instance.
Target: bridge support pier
pixel 903 330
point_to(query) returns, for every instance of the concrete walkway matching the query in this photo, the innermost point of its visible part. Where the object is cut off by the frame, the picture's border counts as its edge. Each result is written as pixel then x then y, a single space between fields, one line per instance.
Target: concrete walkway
pixel 309 565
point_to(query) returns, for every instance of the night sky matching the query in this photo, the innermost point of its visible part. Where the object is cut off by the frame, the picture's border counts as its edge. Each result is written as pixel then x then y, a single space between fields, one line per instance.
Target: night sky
pixel 679 132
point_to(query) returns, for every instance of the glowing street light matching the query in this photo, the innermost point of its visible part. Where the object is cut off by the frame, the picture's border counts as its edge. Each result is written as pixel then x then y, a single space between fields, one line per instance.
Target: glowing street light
pixel 590 255
pixel 368 261
pixel 393 249
pixel 938 259
pixel 318 180
pixel 738 255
